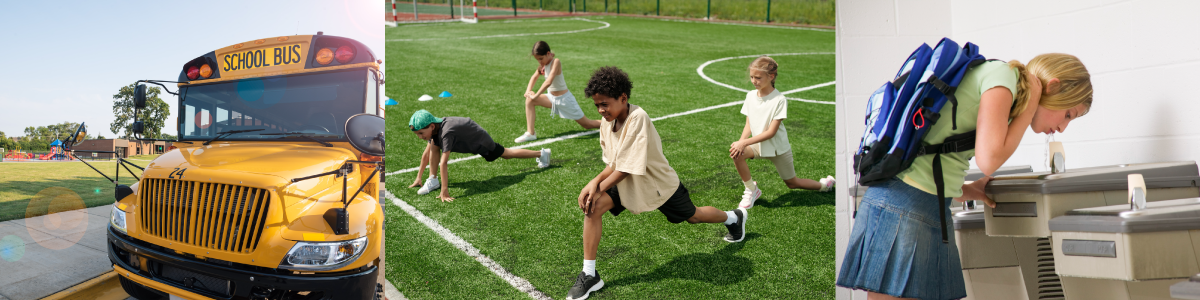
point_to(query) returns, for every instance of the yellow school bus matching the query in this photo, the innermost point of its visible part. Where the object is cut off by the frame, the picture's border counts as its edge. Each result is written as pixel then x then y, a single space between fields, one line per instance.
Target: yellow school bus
pixel 274 188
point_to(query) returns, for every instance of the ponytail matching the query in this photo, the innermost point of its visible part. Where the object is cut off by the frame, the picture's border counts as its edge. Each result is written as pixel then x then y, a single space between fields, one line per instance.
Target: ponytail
pixel 1022 93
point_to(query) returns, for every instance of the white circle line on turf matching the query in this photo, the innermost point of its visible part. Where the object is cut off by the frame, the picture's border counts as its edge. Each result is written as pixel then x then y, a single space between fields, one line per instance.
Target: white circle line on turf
pixel 700 70
pixel 579 134
pixel 515 281
pixel 606 25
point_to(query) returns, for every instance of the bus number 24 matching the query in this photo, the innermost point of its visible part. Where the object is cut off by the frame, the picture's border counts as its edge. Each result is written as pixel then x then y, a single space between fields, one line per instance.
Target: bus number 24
pixel 177 171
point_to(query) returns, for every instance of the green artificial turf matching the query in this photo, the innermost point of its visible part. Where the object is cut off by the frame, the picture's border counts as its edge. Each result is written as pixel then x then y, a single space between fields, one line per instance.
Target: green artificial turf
pixel 526 219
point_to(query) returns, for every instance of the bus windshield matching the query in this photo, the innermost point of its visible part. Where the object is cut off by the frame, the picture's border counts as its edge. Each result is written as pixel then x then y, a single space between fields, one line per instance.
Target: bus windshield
pixel 308 106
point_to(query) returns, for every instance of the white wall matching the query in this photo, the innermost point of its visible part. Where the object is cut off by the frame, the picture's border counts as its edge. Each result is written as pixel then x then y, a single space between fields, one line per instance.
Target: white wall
pixel 1142 55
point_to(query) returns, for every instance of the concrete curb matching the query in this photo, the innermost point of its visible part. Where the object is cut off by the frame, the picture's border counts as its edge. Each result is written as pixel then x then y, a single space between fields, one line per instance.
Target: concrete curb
pixel 100 287
pixel 391 293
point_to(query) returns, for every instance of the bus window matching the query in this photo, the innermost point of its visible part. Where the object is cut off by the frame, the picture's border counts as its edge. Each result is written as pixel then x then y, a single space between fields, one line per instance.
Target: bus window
pixel 372 98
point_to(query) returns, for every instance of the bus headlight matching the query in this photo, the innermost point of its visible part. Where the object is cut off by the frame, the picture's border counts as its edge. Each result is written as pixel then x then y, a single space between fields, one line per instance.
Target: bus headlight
pixel 117 219
pixel 323 256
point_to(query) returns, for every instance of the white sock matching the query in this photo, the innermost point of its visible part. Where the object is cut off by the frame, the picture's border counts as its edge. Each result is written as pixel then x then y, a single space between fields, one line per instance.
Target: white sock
pixel 750 185
pixel 730 218
pixel 589 267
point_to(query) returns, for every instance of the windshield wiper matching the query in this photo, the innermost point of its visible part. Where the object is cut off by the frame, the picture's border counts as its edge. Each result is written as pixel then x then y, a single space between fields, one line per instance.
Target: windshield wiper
pixel 300 134
pixel 228 133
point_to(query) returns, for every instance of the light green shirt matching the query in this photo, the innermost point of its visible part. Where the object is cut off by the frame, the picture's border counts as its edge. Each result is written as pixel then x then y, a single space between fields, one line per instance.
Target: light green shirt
pixel 954 165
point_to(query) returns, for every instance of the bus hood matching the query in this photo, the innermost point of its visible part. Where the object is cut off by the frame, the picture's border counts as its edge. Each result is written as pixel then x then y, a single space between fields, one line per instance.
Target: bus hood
pixel 283 160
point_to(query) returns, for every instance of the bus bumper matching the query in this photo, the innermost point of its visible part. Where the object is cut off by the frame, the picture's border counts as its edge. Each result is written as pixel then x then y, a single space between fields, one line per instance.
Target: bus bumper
pixel 196 279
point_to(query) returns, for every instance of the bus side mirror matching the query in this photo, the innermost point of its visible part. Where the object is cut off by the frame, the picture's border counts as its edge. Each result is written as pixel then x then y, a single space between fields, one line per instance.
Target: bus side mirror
pixel 365 132
pixel 139 128
pixel 78 137
pixel 139 96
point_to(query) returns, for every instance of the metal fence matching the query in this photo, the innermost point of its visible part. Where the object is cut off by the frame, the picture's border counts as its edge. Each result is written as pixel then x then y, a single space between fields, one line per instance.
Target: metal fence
pixel 809 12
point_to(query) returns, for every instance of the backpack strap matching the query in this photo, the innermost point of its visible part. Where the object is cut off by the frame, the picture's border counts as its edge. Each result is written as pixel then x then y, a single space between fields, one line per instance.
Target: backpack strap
pixel 941 194
pixel 948 91
pixel 955 143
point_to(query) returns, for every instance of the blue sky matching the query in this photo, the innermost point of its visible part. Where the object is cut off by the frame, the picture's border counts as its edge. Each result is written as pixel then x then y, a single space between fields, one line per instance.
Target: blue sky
pixel 63 61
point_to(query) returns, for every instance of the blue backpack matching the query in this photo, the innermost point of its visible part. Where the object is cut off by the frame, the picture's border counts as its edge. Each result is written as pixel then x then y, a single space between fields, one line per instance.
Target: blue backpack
pixel 900 113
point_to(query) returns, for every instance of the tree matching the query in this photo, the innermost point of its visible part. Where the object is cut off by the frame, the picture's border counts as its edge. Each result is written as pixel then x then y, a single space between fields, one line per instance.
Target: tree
pixel 39 138
pixel 154 116
pixel 6 143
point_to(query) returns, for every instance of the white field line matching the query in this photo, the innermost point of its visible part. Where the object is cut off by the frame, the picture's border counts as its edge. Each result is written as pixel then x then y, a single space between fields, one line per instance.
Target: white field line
pixel 606 25
pixel 809 87
pixel 579 134
pixel 700 70
pixel 517 282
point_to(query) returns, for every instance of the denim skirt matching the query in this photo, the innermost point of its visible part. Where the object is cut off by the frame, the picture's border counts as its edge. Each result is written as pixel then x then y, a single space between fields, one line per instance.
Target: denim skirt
pixel 896 246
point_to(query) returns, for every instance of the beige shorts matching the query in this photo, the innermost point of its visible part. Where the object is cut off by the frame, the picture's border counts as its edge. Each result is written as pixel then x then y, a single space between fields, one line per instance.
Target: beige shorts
pixel 783 162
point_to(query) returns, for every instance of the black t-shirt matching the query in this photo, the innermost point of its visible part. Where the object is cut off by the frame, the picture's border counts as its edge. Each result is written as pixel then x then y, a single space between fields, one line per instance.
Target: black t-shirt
pixel 462 135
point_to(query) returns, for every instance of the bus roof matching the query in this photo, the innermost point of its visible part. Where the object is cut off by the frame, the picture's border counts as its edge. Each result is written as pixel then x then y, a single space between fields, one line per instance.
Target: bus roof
pixel 277 56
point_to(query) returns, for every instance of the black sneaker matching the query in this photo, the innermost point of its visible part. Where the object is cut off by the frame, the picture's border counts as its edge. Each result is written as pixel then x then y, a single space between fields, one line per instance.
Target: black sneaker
pixel 737 230
pixel 584 285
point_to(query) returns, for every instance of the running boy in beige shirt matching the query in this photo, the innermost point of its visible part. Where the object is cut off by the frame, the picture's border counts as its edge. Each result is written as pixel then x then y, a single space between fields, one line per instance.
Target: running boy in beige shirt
pixel 636 177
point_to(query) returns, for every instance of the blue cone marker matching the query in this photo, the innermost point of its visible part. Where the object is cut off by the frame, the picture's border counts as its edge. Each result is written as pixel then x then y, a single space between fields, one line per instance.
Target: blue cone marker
pixel 391 102
pixel 445 94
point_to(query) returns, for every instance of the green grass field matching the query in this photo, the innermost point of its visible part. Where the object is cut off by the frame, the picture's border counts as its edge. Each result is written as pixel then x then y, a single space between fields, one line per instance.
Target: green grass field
pixel 20 182
pixel 526 219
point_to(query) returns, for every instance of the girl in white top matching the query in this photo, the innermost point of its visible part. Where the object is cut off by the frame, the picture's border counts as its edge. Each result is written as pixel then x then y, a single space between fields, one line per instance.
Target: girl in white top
pixel 765 108
pixel 558 99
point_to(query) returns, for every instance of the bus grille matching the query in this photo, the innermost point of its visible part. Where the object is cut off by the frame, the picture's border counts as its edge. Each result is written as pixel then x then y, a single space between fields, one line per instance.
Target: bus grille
pixel 210 215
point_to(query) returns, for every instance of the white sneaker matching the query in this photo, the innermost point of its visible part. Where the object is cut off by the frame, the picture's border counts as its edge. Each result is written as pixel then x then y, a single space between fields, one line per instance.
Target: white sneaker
pixel 827 184
pixel 430 184
pixel 748 197
pixel 544 160
pixel 525 138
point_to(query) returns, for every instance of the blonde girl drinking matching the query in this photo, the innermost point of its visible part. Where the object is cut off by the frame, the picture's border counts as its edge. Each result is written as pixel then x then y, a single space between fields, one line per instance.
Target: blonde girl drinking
pixel 895 249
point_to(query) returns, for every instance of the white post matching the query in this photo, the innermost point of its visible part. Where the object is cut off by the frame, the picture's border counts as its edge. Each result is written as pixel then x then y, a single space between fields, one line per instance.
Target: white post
pixel 414 10
pixel 474 11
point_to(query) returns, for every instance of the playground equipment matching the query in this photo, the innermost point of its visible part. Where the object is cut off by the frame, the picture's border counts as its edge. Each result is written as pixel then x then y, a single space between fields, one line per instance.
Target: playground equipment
pixel 56 152
pixel 17 155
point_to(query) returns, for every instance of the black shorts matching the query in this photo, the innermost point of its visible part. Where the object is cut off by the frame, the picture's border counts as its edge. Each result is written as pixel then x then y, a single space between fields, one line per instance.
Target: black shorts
pixel 678 207
pixel 494 154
